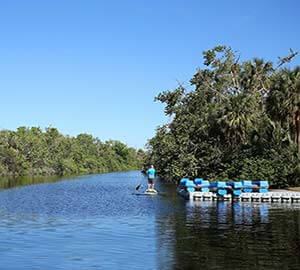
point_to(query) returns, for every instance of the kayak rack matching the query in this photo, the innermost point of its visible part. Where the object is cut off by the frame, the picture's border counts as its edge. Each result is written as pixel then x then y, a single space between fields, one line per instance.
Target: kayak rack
pixel 245 190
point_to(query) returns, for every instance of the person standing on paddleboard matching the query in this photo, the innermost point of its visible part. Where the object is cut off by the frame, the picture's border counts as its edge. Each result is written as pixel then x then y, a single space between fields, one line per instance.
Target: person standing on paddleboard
pixel 151 177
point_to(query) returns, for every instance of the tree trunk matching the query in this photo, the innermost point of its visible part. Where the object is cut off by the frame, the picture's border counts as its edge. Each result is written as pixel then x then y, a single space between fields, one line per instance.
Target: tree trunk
pixel 297 122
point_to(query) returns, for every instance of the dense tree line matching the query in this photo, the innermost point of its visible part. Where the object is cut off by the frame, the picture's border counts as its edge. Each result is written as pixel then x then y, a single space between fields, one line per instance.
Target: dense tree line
pixel 240 121
pixel 31 151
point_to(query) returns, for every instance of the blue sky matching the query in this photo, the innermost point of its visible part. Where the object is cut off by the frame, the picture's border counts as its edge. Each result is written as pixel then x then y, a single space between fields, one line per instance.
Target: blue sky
pixel 87 66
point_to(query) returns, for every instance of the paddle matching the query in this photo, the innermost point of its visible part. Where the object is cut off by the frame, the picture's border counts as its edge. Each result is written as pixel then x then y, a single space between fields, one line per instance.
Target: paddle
pixel 138 186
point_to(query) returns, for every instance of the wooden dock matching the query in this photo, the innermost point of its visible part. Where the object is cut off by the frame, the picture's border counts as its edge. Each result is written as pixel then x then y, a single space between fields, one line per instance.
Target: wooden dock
pixel 271 196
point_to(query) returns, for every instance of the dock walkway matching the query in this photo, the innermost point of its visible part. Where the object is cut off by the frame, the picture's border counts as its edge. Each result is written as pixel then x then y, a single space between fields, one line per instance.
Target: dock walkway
pixel 270 196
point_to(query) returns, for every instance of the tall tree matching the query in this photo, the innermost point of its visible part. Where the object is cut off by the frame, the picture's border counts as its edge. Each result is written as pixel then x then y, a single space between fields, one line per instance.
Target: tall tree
pixel 283 103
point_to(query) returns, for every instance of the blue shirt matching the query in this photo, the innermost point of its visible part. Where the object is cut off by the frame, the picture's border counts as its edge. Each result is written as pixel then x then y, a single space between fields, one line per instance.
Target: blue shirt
pixel 151 173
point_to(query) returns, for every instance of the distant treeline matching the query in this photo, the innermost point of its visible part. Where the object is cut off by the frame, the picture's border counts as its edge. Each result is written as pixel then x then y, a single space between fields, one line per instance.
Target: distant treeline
pixel 240 121
pixel 31 151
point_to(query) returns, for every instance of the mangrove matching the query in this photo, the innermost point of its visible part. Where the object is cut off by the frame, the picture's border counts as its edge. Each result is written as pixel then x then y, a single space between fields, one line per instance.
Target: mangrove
pixel 32 151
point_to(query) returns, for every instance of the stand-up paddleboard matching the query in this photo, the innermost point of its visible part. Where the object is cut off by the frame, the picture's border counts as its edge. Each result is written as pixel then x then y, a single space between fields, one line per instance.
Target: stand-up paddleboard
pixel 150 191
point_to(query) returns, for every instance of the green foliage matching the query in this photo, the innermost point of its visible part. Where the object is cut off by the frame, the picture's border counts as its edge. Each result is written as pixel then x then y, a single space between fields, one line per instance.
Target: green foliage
pixel 30 151
pixel 241 121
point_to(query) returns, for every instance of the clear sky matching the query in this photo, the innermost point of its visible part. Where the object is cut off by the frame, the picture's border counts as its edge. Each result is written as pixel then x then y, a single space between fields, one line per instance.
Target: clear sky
pixel 87 66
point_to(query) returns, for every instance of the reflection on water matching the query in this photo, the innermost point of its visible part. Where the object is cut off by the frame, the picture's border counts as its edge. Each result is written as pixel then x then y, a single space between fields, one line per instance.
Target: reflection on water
pixel 11 182
pixel 226 235
pixel 96 222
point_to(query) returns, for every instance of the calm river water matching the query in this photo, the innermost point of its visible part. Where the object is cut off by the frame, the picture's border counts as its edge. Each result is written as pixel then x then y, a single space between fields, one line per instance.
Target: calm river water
pixel 95 222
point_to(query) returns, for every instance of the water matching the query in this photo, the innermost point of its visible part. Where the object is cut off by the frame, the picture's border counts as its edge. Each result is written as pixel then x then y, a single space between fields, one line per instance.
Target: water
pixel 95 222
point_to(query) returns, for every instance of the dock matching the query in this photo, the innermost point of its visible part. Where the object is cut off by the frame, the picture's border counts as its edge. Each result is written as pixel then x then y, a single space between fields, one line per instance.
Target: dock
pixel 271 196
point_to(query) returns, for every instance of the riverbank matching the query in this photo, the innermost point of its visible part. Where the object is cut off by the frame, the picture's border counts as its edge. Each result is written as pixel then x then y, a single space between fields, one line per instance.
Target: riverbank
pixel 296 189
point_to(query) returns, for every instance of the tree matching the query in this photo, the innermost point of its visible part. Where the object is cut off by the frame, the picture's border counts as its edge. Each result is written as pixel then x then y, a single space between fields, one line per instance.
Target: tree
pixel 283 103
pixel 233 124
pixel 32 151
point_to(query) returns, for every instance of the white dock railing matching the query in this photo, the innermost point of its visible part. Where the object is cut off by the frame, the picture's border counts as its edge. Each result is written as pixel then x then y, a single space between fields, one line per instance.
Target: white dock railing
pixel 271 196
